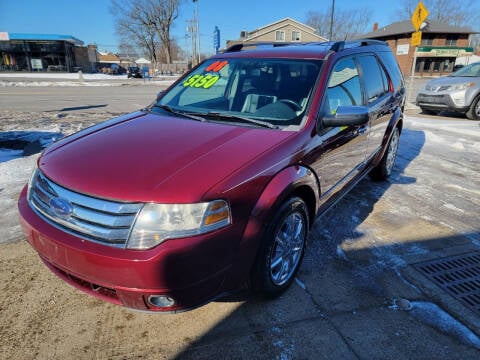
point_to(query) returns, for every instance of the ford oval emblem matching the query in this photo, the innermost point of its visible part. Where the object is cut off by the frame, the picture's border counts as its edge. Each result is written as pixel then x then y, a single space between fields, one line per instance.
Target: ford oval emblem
pixel 61 207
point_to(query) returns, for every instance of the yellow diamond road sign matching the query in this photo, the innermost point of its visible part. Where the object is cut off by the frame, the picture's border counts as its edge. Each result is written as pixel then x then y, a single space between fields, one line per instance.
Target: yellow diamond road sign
pixel 419 15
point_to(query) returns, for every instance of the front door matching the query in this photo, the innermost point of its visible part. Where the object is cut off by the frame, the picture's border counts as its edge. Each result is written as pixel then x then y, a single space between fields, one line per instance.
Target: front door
pixel 340 152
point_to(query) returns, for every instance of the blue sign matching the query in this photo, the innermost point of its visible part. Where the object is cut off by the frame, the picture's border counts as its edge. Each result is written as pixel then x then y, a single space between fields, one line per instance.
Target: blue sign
pixel 216 39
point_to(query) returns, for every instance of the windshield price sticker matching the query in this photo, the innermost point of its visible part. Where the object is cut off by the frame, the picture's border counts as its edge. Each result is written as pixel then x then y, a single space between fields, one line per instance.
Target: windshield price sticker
pixel 206 81
pixel 216 66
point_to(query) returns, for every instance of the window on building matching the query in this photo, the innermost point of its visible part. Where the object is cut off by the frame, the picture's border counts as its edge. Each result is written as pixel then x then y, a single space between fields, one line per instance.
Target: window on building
pixel 451 40
pixel 295 35
pixel 427 40
pixel 280 35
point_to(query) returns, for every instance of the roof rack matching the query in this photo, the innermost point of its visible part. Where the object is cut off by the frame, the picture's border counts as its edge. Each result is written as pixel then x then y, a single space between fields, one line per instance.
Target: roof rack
pixel 241 46
pixel 336 46
pixel 340 45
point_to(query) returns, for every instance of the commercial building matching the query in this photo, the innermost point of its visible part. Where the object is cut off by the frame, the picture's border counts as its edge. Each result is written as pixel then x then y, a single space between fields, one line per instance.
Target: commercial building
pixel 440 46
pixel 41 52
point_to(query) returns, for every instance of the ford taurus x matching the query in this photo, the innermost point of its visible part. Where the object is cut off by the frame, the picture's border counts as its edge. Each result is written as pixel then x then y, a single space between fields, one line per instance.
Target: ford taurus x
pixel 214 186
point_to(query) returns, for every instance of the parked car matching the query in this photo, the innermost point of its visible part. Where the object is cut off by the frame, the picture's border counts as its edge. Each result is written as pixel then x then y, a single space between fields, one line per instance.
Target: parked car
pixel 134 71
pixel 216 184
pixel 457 92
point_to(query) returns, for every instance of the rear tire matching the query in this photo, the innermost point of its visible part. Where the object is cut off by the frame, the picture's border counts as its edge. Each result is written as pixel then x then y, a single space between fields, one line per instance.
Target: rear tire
pixel 473 112
pixel 282 249
pixel 383 170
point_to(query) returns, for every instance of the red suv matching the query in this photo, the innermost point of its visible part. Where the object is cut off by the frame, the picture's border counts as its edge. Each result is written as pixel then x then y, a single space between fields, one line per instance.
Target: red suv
pixel 216 184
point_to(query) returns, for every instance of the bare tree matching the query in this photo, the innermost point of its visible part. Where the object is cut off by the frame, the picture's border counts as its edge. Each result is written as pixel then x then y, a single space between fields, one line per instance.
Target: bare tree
pixel 452 12
pixel 346 23
pixel 148 24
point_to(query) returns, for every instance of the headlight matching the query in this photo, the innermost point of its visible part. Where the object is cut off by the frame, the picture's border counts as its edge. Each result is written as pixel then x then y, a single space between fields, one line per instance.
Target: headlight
pixel 456 87
pixel 159 222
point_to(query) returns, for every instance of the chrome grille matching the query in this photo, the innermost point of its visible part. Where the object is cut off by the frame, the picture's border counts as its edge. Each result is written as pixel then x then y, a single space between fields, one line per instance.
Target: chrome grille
pixel 93 219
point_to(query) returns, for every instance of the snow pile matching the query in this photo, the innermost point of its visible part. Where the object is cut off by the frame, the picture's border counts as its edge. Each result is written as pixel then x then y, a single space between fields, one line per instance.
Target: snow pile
pixel 15 144
pixel 14 174
pixel 70 76
pixel 74 79
pixel 55 83
pixel 432 315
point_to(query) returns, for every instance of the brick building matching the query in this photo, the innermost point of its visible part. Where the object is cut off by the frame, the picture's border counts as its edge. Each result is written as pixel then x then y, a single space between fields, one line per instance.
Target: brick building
pixel 441 45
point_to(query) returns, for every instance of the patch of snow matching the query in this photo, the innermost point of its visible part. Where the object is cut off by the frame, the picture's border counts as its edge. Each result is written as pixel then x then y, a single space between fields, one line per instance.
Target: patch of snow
pixel 300 283
pixel 341 254
pixel 458 146
pixel 77 83
pixel 400 305
pixel 433 315
pixel 14 174
pixel 461 188
pixel 60 75
pixel 453 207
pixel 285 346
pixel 72 79
pixel 9 154
pixel 416 250
pixel 458 126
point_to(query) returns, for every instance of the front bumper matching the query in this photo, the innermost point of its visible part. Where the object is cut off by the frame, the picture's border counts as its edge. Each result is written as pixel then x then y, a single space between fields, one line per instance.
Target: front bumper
pixel 191 271
pixel 439 102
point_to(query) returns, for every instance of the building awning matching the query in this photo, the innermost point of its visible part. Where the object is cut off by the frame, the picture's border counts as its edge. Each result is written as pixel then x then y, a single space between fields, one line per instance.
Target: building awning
pixel 42 37
pixel 443 51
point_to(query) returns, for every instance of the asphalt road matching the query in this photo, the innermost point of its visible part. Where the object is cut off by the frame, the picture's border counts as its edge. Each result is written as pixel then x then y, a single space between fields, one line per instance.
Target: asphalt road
pixel 121 98
pixel 358 295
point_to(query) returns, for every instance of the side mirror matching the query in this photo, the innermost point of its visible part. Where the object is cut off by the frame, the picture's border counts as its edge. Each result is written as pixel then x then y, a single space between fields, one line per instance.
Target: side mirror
pixel 160 94
pixel 345 116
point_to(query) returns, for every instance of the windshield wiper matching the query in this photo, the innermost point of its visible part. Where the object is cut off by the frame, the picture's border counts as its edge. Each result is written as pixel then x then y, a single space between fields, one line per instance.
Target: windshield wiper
pixel 242 118
pixel 180 113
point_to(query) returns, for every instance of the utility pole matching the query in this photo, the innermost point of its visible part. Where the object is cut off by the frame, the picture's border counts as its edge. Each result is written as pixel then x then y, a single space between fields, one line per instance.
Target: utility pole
pixel 331 20
pixel 197 31
pixel 193 37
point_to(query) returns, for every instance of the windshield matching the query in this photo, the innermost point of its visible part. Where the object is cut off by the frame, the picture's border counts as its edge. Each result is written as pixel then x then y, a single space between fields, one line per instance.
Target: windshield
pixel 273 92
pixel 471 70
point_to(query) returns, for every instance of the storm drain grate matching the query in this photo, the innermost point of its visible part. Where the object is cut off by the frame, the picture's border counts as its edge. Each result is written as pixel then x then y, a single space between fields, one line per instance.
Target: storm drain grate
pixel 458 275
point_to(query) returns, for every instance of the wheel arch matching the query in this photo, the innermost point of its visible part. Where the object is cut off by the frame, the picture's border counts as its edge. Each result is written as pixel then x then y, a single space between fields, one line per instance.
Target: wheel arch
pixel 292 181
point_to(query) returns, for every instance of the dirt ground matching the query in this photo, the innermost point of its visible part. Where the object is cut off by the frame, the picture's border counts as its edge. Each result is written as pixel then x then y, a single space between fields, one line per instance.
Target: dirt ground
pixel 44 318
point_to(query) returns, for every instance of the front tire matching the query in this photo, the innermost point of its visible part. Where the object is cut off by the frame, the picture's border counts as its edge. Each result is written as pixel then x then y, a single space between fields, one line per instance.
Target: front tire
pixel 473 112
pixel 383 170
pixel 282 249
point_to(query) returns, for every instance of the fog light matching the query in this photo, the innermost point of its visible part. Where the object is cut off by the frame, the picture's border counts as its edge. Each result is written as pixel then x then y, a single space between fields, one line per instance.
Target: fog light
pixel 161 300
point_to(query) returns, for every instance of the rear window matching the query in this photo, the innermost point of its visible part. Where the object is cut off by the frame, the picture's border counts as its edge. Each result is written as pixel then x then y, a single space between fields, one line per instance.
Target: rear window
pixel 393 70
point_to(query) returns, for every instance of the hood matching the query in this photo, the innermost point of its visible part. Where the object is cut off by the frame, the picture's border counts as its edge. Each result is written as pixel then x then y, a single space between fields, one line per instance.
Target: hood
pixel 435 84
pixel 152 158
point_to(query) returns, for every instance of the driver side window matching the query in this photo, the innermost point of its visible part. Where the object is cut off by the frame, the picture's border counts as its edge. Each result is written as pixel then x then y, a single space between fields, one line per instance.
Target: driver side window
pixel 344 85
